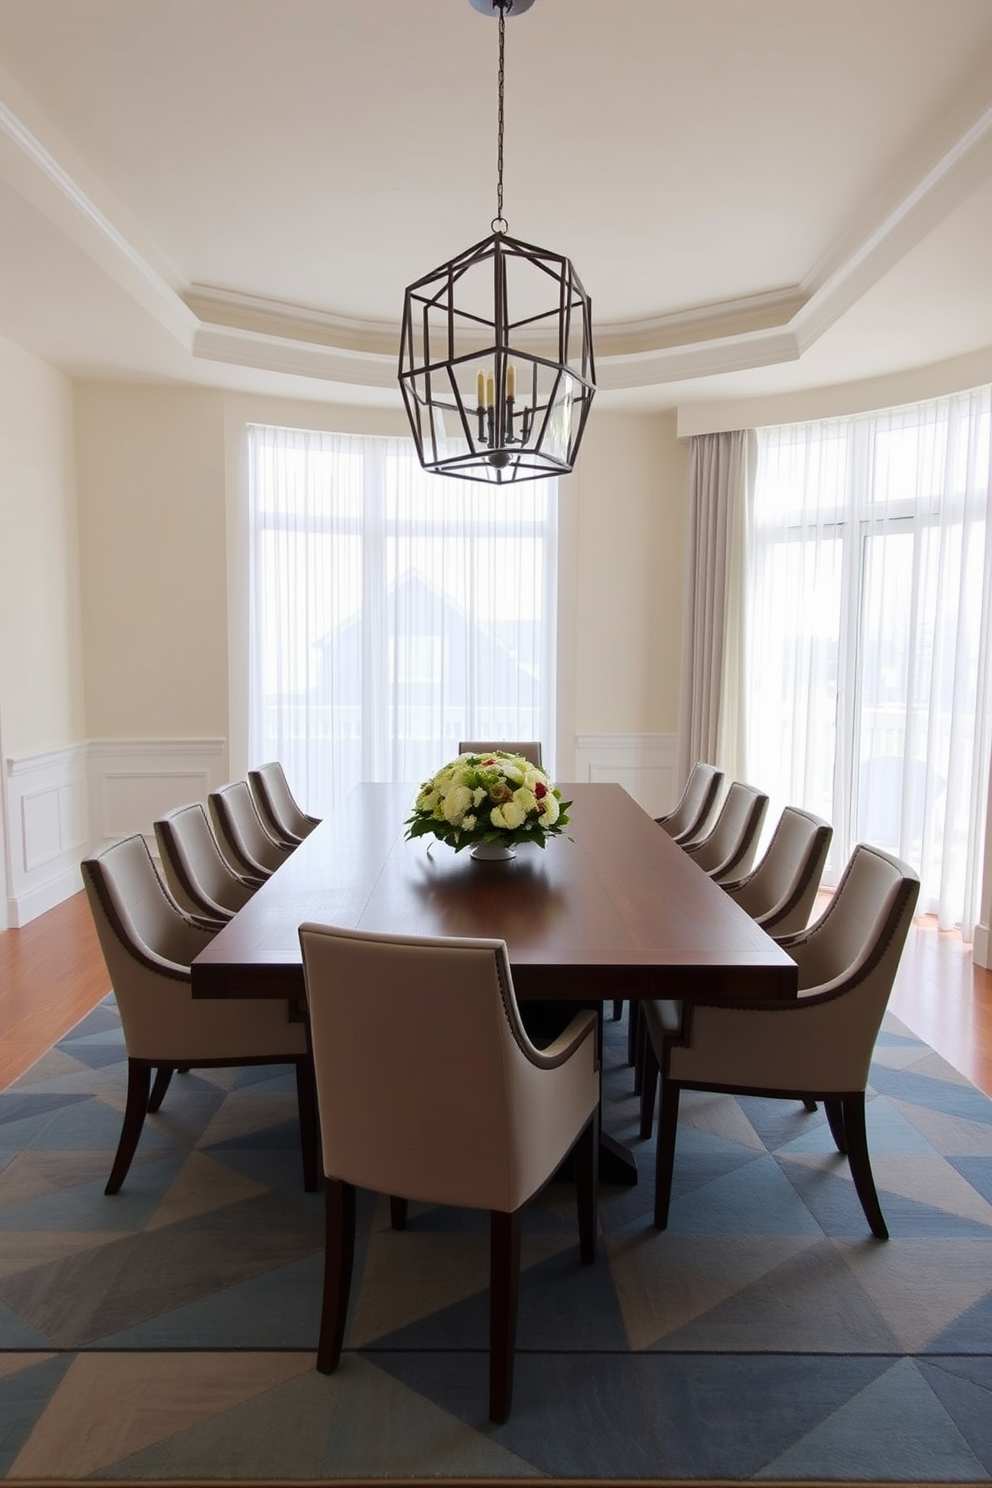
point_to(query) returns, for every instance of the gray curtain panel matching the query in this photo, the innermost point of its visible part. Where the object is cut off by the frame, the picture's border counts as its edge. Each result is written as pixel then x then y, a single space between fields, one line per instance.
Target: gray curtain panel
pixel 710 714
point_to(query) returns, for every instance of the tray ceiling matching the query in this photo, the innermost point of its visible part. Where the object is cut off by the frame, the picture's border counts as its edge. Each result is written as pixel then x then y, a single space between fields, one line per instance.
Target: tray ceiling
pixel 760 195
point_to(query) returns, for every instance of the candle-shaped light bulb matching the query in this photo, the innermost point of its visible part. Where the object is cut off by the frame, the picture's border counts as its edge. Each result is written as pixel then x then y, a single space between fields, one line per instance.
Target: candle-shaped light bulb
pixel 511 382
pixel 490 393
pixel 480 389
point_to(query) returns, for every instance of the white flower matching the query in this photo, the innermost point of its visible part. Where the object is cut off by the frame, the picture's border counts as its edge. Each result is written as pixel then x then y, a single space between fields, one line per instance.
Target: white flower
pixel 457 800
pixel 548 806
pixel 525 799
pixel 509 816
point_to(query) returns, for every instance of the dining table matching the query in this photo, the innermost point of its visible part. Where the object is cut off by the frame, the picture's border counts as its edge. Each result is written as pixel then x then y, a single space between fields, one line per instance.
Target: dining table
pixel 612 909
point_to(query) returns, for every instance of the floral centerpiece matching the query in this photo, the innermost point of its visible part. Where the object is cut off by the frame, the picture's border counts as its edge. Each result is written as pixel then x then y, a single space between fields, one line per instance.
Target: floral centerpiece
pixel 489 802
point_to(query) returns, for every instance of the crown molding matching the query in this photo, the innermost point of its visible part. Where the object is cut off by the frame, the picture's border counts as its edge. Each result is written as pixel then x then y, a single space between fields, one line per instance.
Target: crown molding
pixel 223 325
pixel 245 348
pixel 285 320
pixel 35 173
pixel 923 199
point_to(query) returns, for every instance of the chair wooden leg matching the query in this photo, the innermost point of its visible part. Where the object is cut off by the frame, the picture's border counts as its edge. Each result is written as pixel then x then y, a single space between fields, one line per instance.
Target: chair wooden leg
pixel 160 1085
pixel 617 1009
pixel 399 1210
pixel 306 1104
pixel 650 1074
pixel 586 1153
pixel 504 1289
pixel 634 1020
pixel 835 1120
pixel 809 1104
pixel 857 1157
pixel 339 1259
pixel 668 1121
pixel 139 1079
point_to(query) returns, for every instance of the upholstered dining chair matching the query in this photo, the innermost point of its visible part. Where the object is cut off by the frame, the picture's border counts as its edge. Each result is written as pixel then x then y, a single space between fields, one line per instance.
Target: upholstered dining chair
pixel 148 944
pixel 688 819
pixel 780 891
pixel 817 1047
pixel 282 816
pixel 195 869
pixel 529 748
pixel 456 1106
pixel 728 848
pixel 241 832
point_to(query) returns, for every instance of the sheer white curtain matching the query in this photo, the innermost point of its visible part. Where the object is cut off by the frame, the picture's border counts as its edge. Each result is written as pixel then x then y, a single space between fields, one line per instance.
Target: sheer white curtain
pixel 867 585
pixel 392 613
pixel 710 708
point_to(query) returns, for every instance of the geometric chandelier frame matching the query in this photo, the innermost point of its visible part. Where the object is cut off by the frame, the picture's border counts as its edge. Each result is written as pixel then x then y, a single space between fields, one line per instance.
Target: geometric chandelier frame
pixel 496 363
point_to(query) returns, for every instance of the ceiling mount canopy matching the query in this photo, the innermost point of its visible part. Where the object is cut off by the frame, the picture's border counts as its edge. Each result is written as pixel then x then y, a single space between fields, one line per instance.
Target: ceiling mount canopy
pixel 496 359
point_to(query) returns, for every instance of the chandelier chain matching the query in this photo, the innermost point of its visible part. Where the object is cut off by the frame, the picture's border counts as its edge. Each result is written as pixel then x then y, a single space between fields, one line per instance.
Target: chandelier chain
pixel 499 223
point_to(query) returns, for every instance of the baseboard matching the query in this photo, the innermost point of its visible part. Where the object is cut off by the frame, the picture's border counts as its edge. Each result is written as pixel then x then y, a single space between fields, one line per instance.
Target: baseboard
pixel 63 804
pixel 644 764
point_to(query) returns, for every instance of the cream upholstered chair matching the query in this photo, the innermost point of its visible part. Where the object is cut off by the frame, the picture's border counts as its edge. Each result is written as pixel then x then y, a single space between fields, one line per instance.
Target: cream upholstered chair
pixel 817 1047
pixel 688 819
pixel 241 832
pixel 729 846
pixel 529 748
pixel 148 944
pixel 780 892
pixel 198 874
pixel 429 1089
pixel 283 818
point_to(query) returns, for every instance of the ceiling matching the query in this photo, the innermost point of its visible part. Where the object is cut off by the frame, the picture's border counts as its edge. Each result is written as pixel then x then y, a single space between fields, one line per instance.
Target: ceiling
pixel 759 195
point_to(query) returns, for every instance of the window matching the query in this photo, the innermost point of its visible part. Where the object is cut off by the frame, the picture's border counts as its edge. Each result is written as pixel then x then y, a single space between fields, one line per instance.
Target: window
pixel 392 612
pixel 866 621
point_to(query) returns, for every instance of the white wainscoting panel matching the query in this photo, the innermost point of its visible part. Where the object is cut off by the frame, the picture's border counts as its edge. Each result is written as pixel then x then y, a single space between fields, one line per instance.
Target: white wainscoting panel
pixel 66 803
pixel 135 781
pixel 47 829
pixel 644 764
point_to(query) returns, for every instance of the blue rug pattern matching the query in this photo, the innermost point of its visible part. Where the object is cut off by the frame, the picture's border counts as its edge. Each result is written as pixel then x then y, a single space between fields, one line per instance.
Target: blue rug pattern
pixel 168 1333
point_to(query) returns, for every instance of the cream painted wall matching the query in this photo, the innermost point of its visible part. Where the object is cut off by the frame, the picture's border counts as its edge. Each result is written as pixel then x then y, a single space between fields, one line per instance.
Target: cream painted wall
pixel 163 552
pixel 41 677
pixel 631 481
pixel 153 557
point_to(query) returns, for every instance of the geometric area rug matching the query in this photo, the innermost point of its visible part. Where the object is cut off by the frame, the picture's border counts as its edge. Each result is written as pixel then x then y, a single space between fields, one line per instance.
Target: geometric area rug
pixel 168 1333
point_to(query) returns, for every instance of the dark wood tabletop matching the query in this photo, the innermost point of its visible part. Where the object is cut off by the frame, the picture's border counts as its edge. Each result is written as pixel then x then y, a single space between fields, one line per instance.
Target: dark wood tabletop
pixel 613 909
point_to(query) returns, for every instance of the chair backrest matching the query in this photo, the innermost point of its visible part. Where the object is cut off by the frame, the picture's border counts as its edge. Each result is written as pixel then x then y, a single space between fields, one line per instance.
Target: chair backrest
pixel 779 893
pixel 529 748
pixel 688 819
pixel 241 831
pixel 134 913
pixel 847 964
pixel 195 868
pixel 821 1042
pixel 876 893
pixel 281 814
pixel 147 941
pixel 149 946
pixel 730 846
pixel 424 1071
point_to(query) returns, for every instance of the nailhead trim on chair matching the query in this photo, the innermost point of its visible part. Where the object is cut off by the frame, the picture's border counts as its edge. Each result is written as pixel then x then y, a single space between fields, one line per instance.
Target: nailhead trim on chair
pixel 778 1006
pixel 535 1056
pixel 164 968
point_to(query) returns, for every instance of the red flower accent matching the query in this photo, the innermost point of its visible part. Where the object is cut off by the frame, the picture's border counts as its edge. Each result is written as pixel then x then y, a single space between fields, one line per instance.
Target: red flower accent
pixel 540 789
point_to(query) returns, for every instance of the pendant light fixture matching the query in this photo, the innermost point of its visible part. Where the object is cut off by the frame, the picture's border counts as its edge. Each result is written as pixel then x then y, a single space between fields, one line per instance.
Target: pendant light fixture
pixel 496 361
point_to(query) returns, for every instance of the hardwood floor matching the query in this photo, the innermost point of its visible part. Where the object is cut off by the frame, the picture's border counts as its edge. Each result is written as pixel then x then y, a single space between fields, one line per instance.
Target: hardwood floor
pixel 52 973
